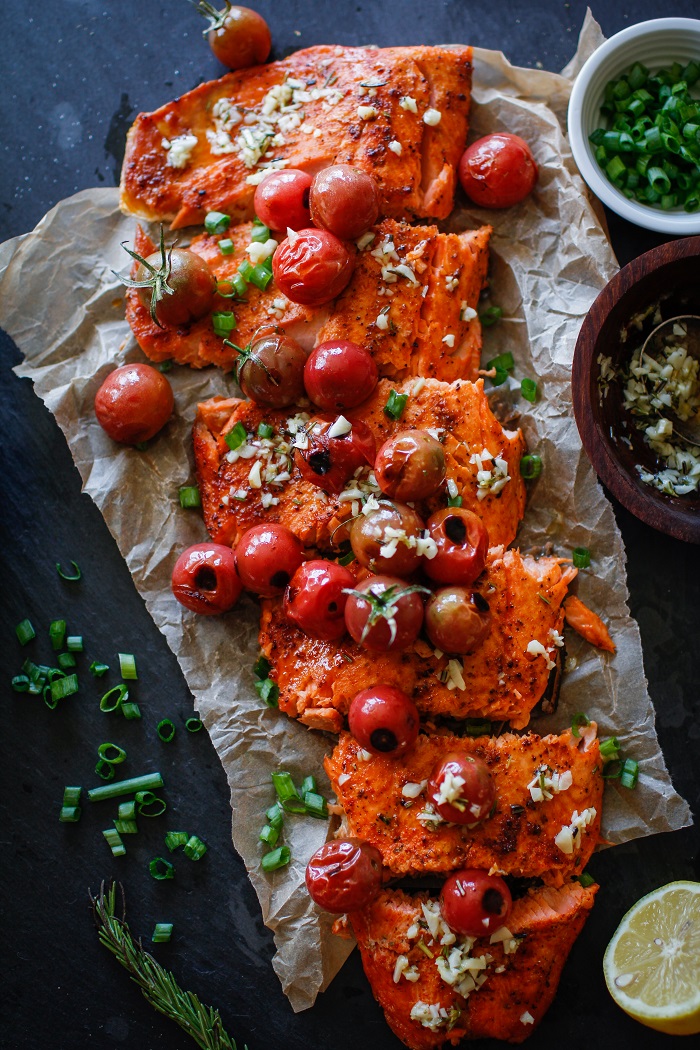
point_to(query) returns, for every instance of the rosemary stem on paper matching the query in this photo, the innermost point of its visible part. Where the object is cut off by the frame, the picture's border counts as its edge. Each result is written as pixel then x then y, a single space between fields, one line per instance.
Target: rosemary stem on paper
pixel 157 985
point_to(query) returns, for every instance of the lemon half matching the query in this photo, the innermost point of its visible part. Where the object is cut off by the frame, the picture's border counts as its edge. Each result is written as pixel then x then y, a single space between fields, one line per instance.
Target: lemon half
pixel 652 964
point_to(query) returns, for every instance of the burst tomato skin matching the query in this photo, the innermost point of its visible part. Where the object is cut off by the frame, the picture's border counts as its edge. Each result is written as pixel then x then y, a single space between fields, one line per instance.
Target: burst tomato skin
pixel 474 903
pixel 344 875
pixel 282 200
pixel 134 403
pixel 314 598
pixel 312 268
pixel 192 284
pixel 476 795
pixel 457 620
pixel 462 542
pixel 498 171
pixel 410 465
pixel 407 615
pixel 205 580
pixel 267 556
pixel 384 720
pixel 339 375
pixel 242 40
pixel 344 200
pixel 330 462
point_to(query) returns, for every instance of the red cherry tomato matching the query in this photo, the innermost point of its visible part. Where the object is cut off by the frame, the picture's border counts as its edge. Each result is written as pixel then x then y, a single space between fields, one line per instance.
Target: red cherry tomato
pixel 344 200
pixel 372 532
pixel 388 615
pixel 134 403
pixel 312 268
pixel 330 462
pixel 462 543
pixel 270 370
pixel 239 37
pixel 344 875
pixel 462 789
pixel 498 171
pixel 205 579
pixel 314 599
pixel 410 465
pixel 384 720
pixel 474 903
pixel 282 200
pixel 192 287
pixel 457 620
pixel 267 556
pixel 339 375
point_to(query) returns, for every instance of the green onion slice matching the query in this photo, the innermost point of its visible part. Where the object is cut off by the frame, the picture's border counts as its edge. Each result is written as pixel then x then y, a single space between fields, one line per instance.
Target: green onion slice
pixel 610 749
pixel 162 931
pixel 579 719
pixel 260 276
pixel 269 835
pixel 223 322
pixel 236 437
pixel 490 316
pixel 71 796
pixel 275 816
pixel 528 388
pixel 114 842
pixel 395 405
pixel 74 643
pixel 130 710
pixel 189 496
pixel 70 814
pixel 260 232
pixel 66 661
pixel 25 632
pixel 629 774
pixel 150 805
pixel 20 683
pixel 265 430
pixel 126 787
pixel 287 793
pixel 126 827
pixel 226 246
pixel 586 879
pixel 174 839
pixel 63 687
pixel 581 557
pixel 105 770
pixel 114 698
pixel 268 691
pixel 315 805
pixel 216 222
pixel 503 364
pixel 193 724
pixel 111 753
pixel 261 667
pixel 76 574
pixel 195 848
pixel 347 559
pixel 454 501
pixel 164 366
pixel 530 467
pixel 277 858
pixel 57 633
pixel 307 784
pixel 127 666
pixel 127 810
pixel 166 730
pixel 478 729
pixel 160 869
pixel 98 669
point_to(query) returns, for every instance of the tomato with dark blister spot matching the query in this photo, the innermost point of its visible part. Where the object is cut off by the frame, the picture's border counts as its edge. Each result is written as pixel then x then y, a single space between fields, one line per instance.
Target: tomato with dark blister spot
pixel 314 599
pixel 339 375
pixel 239 36
pixel 384 720
pixel 270 370
pixel 473 797
pixel 344 200
pixel 282 200
pixel 330 462
pixel 205 579
pixel 134 403
pixel 462 542
pixel 410 465
pixel 344 875
pixel 383 614
pixel 267 556
pixel 312 267
pixel 457 620
pixel 368 535
pixel 474 903
pixel 498 171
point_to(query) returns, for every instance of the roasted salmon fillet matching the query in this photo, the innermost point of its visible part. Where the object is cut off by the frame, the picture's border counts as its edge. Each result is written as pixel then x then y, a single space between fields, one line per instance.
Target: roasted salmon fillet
pixel 458 413
pixel 545 824
pixel 503 680
pixel 399 113
pixel 506 982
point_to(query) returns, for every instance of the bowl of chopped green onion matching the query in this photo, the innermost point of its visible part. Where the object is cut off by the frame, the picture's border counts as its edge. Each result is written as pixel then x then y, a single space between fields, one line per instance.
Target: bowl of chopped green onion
pixel 634 124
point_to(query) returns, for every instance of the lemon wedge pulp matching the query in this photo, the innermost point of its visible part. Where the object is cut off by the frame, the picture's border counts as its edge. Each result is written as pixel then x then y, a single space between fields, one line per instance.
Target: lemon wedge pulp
pixel 652 964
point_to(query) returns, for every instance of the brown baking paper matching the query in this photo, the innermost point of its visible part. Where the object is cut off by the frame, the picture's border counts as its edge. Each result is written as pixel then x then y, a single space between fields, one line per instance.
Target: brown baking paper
pixel 550 258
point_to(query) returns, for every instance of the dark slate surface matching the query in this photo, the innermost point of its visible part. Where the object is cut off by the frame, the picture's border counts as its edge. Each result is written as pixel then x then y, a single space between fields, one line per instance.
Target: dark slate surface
pixel 79 70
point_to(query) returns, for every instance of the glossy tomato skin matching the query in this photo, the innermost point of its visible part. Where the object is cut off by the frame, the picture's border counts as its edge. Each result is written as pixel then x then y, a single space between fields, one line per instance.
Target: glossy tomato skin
pixel 410 466
pixel 384 720
pixel 340 375
pixel 330 462
pixel 134 403
pixel 344 875
pixel 271 373
pixel 312 268
pixel 457 620
pixel 344 200
pixel 498 171
pixel 282 200
pixel 407 614
pixel 242 40
pixel 314 598
pixel 205 580
pixel 193 288
pixel 462 545
pixel 267 556
pixel 477 793
pixel 368 535
pixel 474 903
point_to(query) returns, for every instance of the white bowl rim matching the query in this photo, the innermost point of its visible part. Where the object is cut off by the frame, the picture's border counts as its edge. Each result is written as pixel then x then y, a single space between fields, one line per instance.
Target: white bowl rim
pixel 679 223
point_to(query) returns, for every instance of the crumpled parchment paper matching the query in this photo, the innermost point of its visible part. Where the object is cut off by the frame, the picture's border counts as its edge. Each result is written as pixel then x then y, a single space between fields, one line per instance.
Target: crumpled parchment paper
pixel 550 258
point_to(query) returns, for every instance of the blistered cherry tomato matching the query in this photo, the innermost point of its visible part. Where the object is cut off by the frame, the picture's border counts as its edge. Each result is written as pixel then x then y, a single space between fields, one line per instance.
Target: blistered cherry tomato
pixel 205 579
pixel 410 465
pixel 330 462
pixel 340 375
pixel 384 720
pixel 474 903
pixel 344 875
pixel 282 200
pixel 344 200
pixel 457 619
pixel 192 284
pixel 388 616
pixel 376 530
pixel 238 36
pixel 462 789
pixel 312 267
pixel 498 171
pixel 134 403
pixel 271 370
pixel 314 599
pixel 462 543
pixel 267 556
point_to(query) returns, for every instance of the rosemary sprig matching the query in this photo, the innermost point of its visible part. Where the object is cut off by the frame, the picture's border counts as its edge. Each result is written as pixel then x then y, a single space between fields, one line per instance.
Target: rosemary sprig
pixel 157 985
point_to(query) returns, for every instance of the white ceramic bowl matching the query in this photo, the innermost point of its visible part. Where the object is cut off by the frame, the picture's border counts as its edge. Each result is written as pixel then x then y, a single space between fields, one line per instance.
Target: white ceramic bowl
pixel 655 44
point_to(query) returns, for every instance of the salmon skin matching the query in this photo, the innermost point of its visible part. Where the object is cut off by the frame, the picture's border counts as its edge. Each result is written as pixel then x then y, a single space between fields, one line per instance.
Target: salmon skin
pixel 422 286
pixel 503 680
pixel 400 114
pixel 541 782
pixel 506 986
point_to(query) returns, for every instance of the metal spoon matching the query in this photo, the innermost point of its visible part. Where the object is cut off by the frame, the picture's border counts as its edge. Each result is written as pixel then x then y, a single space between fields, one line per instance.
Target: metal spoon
pixel 689 429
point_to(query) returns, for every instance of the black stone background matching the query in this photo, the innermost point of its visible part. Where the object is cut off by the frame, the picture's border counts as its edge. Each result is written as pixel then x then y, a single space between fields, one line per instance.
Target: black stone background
pixel 74 75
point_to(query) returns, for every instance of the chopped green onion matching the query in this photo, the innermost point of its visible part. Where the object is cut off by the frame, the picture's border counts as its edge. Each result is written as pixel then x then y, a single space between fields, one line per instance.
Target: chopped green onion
pixel 454 501
pixel 610 749
pixel 224 322
pixel 216 222
pixel 277 858
pixel 265 430
pixel 315 805
pixel 586 879
pixel 193 724
pixel 50 700
pixel 66 661
pixel 236 437
pixel 130 710
pixel 162 933
pixel 275 816
pixel 20 683
pixel 260 276
pixel 245 269
pixel 63 687
pixel 70 814
pixel 164 366
pixel 478 729
pixel 98 669
pixel 36 673
pixel 105 770
pixel 226 246
pixel 504 364
pixel 269 835
pixel 630 773
pixel 71 796
pixel 347 559
pixel 114 842
pixel 25 632
pixel 395 405
pixel 195 848
pixel 581 557
pixel 261 667
pixel 57 633
pixel 166 730
pixel 287 793
pixel 490 316
pixel 530 467
pixel 74 643
pixel 189 496
pixel 127 810
pixel 126 787
pixel 579 719
pixel 127 666
pixel 150 805
pixel 307 784
pixel 126 827
pixel 268 691
pixel 66 576
pixel 528 388
pixel 174 839
pixel 160 869
pixel 260 232
pixel 111 753
pixel 114 698
pixel 239 285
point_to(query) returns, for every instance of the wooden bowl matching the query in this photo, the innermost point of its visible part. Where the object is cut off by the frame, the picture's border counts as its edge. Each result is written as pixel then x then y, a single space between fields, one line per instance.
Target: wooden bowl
pixel 669 275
